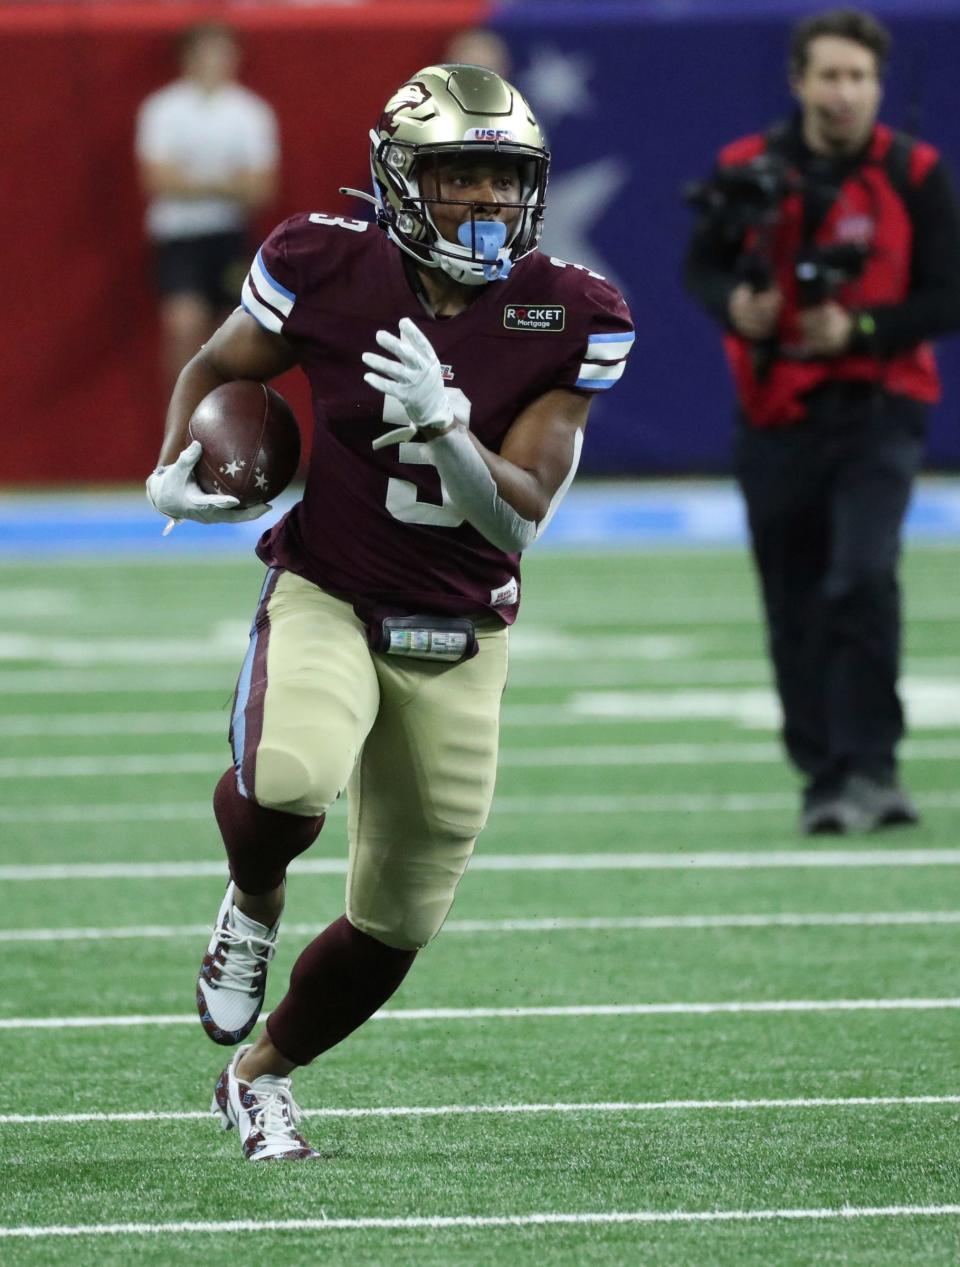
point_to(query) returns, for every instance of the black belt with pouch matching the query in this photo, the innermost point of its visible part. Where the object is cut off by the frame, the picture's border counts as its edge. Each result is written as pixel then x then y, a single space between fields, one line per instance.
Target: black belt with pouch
pixel 443 639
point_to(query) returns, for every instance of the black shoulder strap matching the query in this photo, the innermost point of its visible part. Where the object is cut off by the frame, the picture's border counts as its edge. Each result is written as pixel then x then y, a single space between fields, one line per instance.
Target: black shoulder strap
pixel 777 138
pixel 897 163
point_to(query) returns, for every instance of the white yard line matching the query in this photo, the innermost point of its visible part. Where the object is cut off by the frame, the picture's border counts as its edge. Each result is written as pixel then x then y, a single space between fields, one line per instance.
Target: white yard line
pixel 227 642
pixel 57 725
pixel 95 651
pixel 541 806
pixel 461 1110
pixel 734 1008
pixel 701 754
pixel 703 611
pixel 24 603
pixel 709 861
pixel 445 1222
pixel 180 673
pixel 106 767
pixel 155 722
pixel 680 803
pixel 212 722
pixel 511 756
pixel 746 752
pixel 931 703
pixel 118 812
pixel 45 682
pixel 557 924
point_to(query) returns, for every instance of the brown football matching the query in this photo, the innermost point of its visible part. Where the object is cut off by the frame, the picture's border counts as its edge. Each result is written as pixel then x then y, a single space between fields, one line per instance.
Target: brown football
pixel 251 441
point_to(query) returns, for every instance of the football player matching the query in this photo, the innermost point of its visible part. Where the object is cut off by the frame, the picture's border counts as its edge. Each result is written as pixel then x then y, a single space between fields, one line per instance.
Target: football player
pixel 452 368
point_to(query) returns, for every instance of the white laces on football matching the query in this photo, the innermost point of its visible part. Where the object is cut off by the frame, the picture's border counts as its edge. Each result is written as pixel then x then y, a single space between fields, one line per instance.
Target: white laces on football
pixel 246 954
pixel 277 1113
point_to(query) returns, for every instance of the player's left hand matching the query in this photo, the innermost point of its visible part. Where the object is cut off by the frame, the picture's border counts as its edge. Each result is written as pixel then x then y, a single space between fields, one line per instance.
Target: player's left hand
pixel 826 329
pixel 415 379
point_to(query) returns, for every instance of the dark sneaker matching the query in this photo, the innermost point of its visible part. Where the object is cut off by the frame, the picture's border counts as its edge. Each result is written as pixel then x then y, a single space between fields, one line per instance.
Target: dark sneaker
pixel 233 976
pixel 882 804
pixel 264 1112
pixel 834 815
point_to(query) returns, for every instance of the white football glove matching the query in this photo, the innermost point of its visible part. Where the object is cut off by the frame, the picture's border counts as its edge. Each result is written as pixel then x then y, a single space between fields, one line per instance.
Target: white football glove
pixel 173 491
pixel 415 379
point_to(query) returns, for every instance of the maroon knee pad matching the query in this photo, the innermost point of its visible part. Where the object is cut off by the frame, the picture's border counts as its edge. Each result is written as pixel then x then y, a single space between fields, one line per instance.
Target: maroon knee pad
pixel 260 842
pixel 338 982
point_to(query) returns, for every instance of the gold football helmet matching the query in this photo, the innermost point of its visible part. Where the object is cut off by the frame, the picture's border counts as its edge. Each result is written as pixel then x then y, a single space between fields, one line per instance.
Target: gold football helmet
pixel 450 110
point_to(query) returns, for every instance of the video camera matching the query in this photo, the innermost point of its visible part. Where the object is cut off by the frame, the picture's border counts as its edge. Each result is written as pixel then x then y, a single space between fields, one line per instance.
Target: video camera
pixel 743 197
pixel 749 196
pixel 821 270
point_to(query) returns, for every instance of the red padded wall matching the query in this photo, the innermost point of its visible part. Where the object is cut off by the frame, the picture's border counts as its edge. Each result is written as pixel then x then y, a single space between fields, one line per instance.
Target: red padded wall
pixel 80 395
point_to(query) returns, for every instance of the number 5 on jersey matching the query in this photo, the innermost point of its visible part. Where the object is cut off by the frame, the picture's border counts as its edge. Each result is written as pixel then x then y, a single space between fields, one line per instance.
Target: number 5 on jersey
pixel 402 495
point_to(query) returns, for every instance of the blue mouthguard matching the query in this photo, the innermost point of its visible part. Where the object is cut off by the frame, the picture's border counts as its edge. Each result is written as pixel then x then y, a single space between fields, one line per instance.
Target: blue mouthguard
pixel 489 236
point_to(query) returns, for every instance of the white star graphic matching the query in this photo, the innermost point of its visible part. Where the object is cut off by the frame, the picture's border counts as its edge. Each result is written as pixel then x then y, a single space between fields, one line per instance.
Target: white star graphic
pixel 556 83
pixel 233 467
pixel 575 201
pixel 260 479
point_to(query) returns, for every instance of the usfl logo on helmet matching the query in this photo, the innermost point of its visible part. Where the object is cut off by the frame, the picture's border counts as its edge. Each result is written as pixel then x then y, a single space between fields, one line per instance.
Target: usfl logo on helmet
pixel 491 135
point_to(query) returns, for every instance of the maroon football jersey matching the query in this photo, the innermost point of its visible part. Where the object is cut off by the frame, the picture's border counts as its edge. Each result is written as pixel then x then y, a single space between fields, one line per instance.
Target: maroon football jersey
pixel 374 525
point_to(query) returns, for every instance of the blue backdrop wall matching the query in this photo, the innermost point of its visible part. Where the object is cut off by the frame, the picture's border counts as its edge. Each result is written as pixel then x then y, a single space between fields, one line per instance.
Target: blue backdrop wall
pixel 637 98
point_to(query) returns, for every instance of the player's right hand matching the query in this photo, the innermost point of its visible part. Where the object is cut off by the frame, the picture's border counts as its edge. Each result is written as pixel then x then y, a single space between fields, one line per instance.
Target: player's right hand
pixel 173 491
pixel 414 377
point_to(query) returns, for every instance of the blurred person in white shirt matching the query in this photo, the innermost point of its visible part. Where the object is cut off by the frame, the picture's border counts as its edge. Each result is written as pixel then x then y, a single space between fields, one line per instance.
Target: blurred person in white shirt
pixel 208 153
pixel 479 46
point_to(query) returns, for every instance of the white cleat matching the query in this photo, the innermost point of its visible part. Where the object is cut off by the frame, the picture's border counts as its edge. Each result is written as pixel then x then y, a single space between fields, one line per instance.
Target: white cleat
pixel 233 976
pixel 264 1112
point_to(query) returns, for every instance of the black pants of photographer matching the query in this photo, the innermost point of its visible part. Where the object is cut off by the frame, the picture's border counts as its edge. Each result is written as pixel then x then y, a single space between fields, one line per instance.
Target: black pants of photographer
pixel 826 501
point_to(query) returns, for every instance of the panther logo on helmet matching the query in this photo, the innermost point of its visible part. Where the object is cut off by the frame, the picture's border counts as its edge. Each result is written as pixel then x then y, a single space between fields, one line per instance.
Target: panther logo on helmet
pixel 442 112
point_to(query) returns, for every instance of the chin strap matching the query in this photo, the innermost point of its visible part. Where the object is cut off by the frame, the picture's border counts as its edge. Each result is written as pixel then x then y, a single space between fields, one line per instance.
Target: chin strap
pixel 359 193
pixel 483 238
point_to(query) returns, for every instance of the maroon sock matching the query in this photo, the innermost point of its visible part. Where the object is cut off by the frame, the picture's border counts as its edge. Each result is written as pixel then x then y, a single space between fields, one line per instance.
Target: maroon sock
pixel 260 842
pixel 338 982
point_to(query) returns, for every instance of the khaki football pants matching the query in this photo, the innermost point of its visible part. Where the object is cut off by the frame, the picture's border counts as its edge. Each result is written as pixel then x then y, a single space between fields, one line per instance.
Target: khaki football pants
pixel 413 741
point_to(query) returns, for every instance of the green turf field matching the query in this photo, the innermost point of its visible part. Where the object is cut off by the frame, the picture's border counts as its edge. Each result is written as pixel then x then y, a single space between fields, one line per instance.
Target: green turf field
pixel 660 1027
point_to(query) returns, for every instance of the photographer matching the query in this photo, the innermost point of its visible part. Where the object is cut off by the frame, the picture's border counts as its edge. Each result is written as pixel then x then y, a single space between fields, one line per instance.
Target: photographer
pixel 829 249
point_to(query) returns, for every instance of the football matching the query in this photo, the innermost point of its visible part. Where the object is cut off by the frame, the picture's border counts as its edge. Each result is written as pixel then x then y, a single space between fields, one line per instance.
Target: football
pixel 251 442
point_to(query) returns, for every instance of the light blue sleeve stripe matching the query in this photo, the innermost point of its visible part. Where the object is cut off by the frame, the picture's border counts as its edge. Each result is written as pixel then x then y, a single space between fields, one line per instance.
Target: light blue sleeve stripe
pixel 246 308
pixel 595 384
pixel 287 294
pixel 625 336
pixel 259 310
